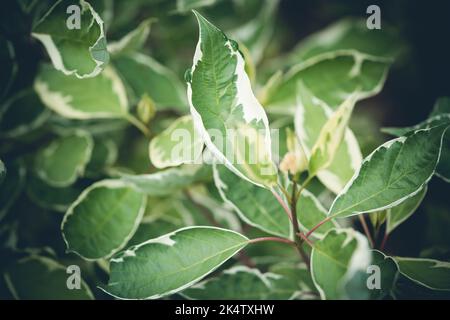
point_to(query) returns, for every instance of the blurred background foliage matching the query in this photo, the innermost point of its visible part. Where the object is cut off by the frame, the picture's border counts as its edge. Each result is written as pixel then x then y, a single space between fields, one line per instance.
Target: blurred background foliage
pixel 418 77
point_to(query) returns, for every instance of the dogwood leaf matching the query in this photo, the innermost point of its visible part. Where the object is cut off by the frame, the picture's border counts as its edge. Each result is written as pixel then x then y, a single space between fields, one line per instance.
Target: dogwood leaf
pixel 311 115
pixel 394 172
pixel 42 278
pixel 101 97
pixel 79 51
pixel 64 159
pixel 103 218
pixel 21 114
pixel 103 155
pixel 430 273
pixel 310 212
pixel 336 260
pixel 168 181
pixel 332 76
pixel 135 275
pixel 49 197
pixel 225 112
pixel 330 137
pixel 254 205
pixel 177 144
pixel 132 41
pixel 290 281
pixel 439 115
pixel 144 75
pixel 239 282
pixel 396 215
pixel 347 34
pixel 388 272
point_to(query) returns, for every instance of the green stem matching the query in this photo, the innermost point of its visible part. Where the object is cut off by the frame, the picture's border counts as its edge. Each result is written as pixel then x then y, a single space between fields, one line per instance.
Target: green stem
pixel 307 181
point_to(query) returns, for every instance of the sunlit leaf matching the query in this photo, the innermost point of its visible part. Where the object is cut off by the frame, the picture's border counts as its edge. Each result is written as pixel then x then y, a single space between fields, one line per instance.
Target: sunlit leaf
pixel 225 112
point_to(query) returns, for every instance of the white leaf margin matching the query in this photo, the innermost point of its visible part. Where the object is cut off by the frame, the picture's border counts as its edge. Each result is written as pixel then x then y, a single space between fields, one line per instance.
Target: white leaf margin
pixel 165 240
pixel 110 184
pixel 54 53
pixel 251 107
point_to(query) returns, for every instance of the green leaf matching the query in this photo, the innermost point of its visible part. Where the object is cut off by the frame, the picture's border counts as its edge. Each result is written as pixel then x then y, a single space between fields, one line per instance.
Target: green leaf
pixel 53 198
pixel 11 186
pixel 238 282
pixel 430 273
pixel 310 117
pixel 101 97
pixel 439 115
pixel 347 34
pixel 132 41
pixel 81 52
pixel 176 145
pixel 332 77
pixel 394 172
pixel 201 195
pixel 330 137
pixel 42 278
pixel 225 112
pixel 184 257
pixel 64 159
pixel 256 206
pixel 103 155
pixel 103 218
pixel 168 181
pixel 388 269
pixel 398 214
pixel 290 281
pixel 144 75
pixel 310 212
pixel 336 260
pixel 21 114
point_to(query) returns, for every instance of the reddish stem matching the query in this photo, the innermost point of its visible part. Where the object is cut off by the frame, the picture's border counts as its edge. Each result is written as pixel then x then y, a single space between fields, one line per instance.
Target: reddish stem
pixel 366 230
pixel 305 238
pixel 283 204
pixel 275 239
pixel 318 226
pixel 383 242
